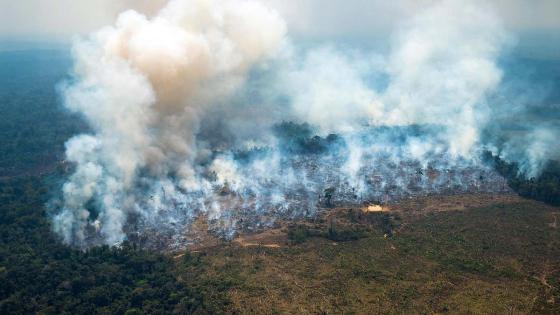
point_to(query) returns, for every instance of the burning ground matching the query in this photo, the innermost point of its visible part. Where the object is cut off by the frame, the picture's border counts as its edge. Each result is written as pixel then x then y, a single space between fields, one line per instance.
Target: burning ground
pixel 209 109
pixel 211 161
pixel 313 175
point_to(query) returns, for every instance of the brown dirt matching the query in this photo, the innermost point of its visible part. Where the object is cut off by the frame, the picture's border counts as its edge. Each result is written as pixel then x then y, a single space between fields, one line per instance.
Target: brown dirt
pixel 408 209
pixel 274 238
pixel 200 236
pixel 461 202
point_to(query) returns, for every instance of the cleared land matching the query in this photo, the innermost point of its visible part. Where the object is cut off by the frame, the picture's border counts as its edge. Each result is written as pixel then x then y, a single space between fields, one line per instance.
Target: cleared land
pixel 463 254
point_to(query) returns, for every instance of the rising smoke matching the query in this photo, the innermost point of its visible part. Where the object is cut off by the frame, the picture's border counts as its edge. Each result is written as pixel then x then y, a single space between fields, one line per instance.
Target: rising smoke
pixel 188 112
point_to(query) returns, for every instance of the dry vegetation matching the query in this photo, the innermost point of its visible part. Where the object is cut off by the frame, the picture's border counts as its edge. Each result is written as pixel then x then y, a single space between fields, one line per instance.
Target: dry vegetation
pixel 465 254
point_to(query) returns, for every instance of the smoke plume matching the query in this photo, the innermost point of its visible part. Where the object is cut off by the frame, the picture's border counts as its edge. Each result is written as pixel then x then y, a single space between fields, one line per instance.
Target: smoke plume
pixel 142 85
pixel 189 112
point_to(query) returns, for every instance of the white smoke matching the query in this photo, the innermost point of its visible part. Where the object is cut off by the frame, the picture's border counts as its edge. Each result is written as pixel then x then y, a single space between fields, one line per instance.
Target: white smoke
pixel 532 150
pixel 328 88
pixel 141 85
pixel 175 101
pixel 441 68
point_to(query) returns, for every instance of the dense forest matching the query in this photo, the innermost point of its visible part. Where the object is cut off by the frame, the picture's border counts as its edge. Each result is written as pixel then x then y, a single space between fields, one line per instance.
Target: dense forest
pixel 33 124
pixel 40 275
pixel 545 187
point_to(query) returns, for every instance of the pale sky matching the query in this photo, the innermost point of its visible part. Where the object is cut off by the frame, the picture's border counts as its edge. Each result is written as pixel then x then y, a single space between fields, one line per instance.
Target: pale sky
pixel 315 19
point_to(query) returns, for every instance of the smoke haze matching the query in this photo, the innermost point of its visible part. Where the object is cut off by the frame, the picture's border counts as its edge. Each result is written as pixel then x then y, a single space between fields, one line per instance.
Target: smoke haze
pixel 189 110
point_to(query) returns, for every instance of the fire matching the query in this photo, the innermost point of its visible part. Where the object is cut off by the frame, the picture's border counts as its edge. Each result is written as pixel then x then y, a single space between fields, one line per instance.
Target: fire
pixel 375 208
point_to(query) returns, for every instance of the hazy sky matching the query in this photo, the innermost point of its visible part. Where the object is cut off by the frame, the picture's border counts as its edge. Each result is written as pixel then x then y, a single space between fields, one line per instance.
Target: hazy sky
pixel 320 19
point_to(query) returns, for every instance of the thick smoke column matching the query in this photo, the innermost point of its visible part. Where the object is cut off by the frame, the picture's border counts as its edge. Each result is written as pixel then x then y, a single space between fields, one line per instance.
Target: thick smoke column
pixel 142 85
pixel 188 112
pixel 441 68
pixel 444 69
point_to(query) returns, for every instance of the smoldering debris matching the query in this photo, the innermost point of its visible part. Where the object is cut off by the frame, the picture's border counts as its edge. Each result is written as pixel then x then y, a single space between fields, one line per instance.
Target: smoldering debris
pixel 186 111
pixel 250 191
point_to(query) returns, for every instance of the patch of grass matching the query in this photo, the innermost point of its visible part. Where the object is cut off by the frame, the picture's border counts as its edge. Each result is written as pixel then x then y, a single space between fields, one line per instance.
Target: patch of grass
pixel 345 234
pixel 298 234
